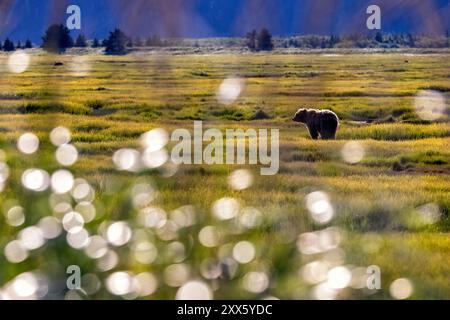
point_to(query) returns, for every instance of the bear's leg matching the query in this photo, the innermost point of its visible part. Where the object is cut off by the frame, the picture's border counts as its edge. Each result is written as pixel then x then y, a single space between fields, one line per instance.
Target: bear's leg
pixel 328 130
pixel 313 132
pixel 328 135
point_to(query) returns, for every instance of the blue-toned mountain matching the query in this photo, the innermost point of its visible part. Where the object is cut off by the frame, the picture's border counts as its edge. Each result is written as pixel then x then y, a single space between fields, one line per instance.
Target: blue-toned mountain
pixel 21 19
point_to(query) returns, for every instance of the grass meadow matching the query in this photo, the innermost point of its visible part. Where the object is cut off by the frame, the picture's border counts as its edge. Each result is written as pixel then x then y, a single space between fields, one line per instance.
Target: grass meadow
pixel 108 102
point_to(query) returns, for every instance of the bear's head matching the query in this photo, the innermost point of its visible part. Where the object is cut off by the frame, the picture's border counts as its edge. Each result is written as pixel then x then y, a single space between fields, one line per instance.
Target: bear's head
pixel 300 115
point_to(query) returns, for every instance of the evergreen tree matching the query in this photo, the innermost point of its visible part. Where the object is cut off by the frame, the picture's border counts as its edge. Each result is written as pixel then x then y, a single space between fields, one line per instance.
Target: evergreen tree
pixel 8 45
pixel 154 41
pixel 251 40
pixel 138 42
pixel 447 35
pixel 95 43
pixel 334 39
pixel 411 41
pixel 116 43
pixel 28 44
pixel 57 39
pixel 130 43
pixel 81 41
pixel 292 43
pixel 104 42
pixel 157 41
pixel 379 37
pixel 19 45
pixel 265 40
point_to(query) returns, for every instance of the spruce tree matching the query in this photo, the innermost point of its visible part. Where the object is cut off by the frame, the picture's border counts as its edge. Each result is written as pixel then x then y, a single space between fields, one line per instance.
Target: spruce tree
pixel 379 37
pixel 28 44
pixel 8 45
pixel 251 40
pixel 95 43
pixel 57 39
pixel 116 43
pixel 265 40
pixel 81 41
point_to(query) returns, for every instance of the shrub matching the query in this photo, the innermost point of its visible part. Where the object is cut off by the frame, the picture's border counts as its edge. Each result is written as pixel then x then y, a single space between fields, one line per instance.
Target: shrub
pixel 200 73
pixel 260 115
pixel 55 107
pixel 436 88
pixel 232 114
pixel 95 104
pixel 150 114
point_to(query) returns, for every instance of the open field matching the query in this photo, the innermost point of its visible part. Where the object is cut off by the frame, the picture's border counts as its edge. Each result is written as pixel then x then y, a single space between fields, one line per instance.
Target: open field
pixel 108 102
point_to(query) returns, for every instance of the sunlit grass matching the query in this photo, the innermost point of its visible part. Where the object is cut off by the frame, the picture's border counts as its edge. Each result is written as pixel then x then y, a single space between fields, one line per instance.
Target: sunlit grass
pixel 406 162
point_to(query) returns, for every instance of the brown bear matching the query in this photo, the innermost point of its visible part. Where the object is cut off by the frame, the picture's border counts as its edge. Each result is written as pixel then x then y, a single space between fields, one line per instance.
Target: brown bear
pixel 323 122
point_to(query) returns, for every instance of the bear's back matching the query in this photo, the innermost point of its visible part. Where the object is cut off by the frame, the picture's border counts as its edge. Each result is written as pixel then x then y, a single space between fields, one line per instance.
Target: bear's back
pixel 316 116
pixel 327 113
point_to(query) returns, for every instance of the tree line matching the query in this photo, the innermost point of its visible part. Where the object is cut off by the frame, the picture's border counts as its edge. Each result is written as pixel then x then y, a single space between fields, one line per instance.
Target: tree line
pixel 259 41
pixel 264 41
pixel 57 39
pixel 8 45
pixel 361 40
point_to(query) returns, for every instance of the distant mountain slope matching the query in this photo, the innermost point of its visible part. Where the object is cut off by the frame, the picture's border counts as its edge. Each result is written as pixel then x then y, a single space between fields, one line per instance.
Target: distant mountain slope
pixel 205 18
